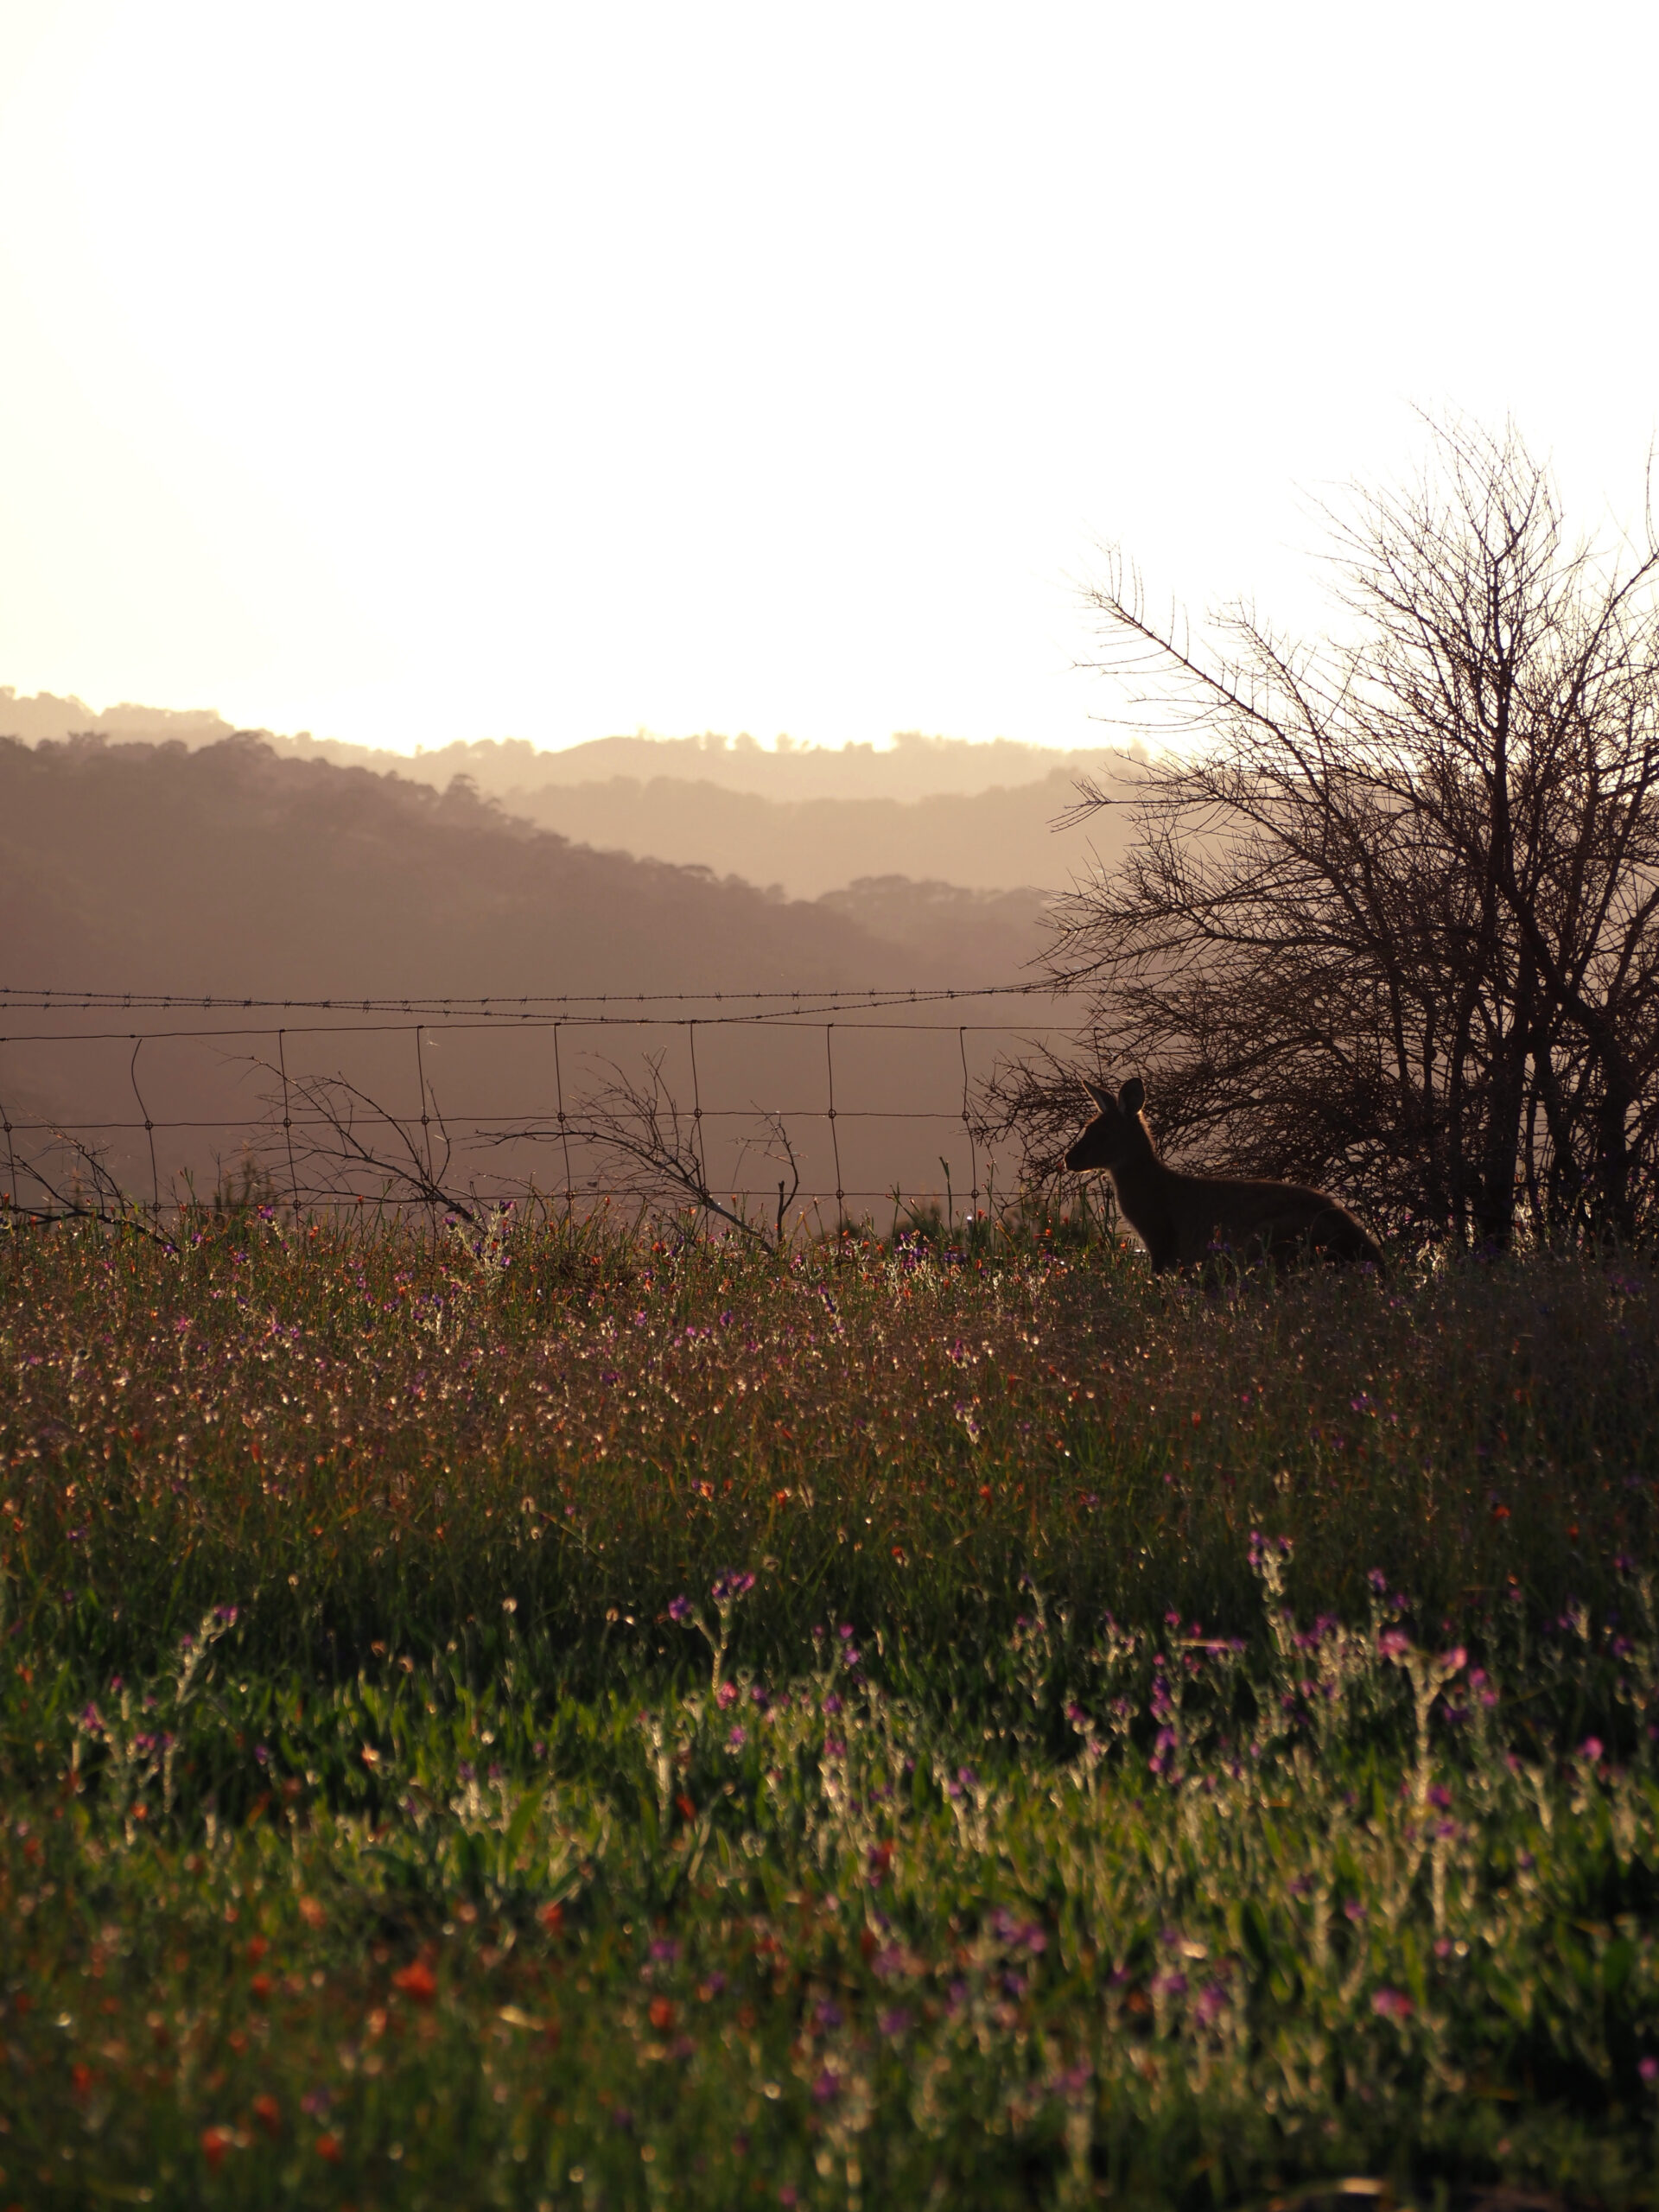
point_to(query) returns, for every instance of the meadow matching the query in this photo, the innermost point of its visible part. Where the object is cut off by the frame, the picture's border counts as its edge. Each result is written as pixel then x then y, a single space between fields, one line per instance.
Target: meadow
pixel 579 1714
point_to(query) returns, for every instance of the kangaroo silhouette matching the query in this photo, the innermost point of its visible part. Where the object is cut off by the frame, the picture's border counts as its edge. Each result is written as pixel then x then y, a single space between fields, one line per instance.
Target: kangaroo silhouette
pixel 1184 1220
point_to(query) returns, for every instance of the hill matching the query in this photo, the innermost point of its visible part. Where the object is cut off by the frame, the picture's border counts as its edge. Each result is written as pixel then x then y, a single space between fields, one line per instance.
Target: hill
pixel 229 870
pixel 806 818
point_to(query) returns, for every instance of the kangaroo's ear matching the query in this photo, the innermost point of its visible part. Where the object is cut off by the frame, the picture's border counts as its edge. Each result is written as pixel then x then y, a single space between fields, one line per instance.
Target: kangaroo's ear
pixel 1132 1095
pixel 1098 1092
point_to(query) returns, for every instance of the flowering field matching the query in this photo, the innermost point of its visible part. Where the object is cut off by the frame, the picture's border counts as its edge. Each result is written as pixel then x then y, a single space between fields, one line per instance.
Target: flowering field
pixel 559 1718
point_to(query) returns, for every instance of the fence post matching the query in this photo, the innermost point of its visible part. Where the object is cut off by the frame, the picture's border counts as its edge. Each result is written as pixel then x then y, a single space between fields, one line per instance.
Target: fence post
pixel 696 1103
pixel 564 1130
pixel 835 1140
pixel 149 1129
pixel 426 1121
pixel 288 1128
pixel 11 1157
pixel 967 1123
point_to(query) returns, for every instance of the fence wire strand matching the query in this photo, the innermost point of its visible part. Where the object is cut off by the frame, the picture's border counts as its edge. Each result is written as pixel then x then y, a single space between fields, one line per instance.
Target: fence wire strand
pixel 294 1122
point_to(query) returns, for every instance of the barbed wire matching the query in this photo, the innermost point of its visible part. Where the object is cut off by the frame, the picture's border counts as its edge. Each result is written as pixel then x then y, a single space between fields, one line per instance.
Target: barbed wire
pixel 509 1007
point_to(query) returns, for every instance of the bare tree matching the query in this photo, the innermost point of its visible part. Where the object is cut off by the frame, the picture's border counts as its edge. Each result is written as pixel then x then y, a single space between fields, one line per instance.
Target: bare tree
pixel 1390 918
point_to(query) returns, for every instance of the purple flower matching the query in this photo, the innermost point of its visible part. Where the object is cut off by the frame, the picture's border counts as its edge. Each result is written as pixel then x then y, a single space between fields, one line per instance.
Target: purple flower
pixel 1392 1644
pixel 1590 1748
pixel 826 2088
pixel 1649 2069
pixel 736 1740
pixel 896 2021
pixel 679 1609
pixel 1392 2005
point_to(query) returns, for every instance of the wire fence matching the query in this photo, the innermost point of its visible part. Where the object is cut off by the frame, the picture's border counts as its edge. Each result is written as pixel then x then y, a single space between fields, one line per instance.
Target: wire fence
pixel 756 1105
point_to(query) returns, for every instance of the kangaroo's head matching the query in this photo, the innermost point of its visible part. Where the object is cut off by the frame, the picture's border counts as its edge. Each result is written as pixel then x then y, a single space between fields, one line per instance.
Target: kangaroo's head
pixel 1117 1130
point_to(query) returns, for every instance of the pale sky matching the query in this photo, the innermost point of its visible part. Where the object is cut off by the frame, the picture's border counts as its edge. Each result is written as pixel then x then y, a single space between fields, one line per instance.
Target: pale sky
pixel 408 373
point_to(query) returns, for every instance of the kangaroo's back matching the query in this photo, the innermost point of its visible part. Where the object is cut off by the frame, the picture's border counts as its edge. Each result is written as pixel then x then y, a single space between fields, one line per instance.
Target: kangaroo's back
pixel 1184 1220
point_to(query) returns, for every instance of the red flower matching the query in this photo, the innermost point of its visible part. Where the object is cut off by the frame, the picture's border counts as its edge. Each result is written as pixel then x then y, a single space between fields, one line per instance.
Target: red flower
pixel 416 1982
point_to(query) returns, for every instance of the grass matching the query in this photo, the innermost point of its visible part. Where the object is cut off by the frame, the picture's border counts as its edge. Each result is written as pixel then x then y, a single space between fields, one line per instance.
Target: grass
pixel 566 1718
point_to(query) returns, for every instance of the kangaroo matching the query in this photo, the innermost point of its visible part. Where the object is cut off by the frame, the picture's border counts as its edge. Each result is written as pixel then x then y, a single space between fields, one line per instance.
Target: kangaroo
pixel 1185 1219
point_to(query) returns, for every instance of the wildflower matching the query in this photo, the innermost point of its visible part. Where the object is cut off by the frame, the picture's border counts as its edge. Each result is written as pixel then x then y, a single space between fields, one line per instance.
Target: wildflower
pixel 725 1695
pixel 215 2142
pixel 328 2147
pixel 662 2014
pixel 1591 1749
pixel 416 1982
pixel 267 2112
pixel 679 1609
pixel 1649 2069
pixel 1391 1644
pixel 551 1918
pixel 1392 2005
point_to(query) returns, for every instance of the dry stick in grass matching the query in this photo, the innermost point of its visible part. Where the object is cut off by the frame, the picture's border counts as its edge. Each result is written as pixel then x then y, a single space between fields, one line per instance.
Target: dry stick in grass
pixel 657 1149
pixel 387 1149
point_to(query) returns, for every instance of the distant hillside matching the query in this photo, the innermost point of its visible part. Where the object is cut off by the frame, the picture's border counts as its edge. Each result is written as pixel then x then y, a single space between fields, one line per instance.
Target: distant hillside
pixel 804 819
pixel 912 767
pixel 139 867
pixel 992 839
pixel 45 718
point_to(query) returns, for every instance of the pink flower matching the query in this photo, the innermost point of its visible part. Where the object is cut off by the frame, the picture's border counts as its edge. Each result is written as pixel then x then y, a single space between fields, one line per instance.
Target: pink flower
pixel 1392 2005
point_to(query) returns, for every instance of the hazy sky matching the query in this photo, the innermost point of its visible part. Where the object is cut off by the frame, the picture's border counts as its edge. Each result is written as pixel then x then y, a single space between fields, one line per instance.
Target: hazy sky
pixel 409 373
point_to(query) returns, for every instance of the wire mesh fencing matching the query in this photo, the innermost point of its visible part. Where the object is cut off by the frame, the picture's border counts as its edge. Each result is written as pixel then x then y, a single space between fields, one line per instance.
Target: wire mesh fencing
pixel 772 1111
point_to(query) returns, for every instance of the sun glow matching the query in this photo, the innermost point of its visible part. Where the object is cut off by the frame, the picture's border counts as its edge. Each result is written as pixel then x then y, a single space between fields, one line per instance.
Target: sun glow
pixel 550 372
